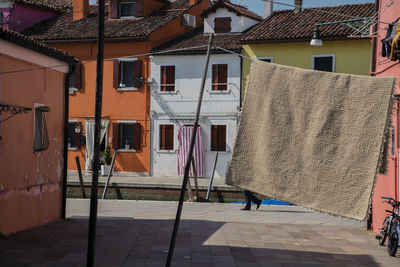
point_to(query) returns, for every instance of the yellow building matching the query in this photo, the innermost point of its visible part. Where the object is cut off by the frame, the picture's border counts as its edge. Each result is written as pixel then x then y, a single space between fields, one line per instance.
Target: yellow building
pixel 284 38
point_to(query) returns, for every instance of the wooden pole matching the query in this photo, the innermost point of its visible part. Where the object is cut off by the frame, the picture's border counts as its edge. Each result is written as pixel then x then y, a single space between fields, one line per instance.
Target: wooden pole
pixel 196 186
pixel 189 159
pixel 109 175
pixel 96 161
pixel 190 191
pixel 212 177
pixel 78 166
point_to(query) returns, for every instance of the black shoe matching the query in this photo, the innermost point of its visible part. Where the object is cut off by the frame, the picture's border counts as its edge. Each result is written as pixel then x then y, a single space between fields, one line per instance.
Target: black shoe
pixel 245 208
pixel 258 204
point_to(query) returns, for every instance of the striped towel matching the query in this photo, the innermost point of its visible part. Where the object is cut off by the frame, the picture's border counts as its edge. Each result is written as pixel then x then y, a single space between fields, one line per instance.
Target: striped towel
pixel 184 137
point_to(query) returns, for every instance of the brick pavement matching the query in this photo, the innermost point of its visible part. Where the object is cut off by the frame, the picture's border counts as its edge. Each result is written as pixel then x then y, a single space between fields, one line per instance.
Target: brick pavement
pixel 210 234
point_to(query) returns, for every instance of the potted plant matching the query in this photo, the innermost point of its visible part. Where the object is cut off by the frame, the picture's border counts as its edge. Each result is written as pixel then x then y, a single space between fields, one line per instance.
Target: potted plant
pixel 106 162
pixel 127 145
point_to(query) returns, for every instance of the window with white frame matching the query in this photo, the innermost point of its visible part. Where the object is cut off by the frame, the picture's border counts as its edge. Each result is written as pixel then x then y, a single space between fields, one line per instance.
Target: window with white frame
pixel 40 135
pixel 166 140
pixel 219 77
pixel 323 62
pixel 128 74
pixel 74 134
pixel 218 137
pixel 126 135
pixel 126 9
pixel 167 79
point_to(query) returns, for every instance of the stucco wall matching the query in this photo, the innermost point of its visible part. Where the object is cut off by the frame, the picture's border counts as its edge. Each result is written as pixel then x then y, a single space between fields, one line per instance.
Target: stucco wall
pixel 179 108
pixel 30 183
pixel 238 23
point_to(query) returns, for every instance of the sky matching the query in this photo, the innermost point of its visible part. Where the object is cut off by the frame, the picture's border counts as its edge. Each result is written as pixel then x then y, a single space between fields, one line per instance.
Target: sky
pixel 258 5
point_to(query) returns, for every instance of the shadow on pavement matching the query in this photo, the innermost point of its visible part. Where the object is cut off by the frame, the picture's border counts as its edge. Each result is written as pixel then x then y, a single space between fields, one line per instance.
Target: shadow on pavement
pixel 133 242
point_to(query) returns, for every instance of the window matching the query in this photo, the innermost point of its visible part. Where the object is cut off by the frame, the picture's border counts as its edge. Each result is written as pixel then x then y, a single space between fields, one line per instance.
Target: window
pixel 222 25
pixel 218 138
pixel 167 82
pixel 40 135
pixel 74 134
pixel 219 77
pixel 75 79
pixel 126 9
pixel 126 135
pixel 166 137
pixel 323 62
pixel 266 59
pixel 128 74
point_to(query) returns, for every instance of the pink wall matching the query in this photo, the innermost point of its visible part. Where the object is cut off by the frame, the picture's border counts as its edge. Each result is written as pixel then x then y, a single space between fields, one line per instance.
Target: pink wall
pixel 20 17
pixel 30 183
pixel 387 185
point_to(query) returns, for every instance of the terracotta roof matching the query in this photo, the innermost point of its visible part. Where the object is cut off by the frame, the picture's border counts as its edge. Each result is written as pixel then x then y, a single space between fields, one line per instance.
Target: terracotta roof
pixel 196 37
pixel 237 9
pixel 288 25
pixel 63 28
pixel 36 46
pixel 51 5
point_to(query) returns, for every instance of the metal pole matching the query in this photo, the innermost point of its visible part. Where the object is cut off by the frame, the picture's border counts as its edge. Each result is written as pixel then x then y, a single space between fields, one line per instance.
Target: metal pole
pixel 96 160
pixel 212 177
pixel 196 186
pixel 189 158
pixel 109 174
pixel 78 166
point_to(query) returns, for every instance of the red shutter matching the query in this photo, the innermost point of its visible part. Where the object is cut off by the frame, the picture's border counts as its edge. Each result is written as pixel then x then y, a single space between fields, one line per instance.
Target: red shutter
pixel 222 76
pixel 77 137
pixel 78 76
pixel 163 78
pixel 214 77
pixel 221 137
pixel 114 9
pixel 137 68
pixel 117 74
pixel 137 134
pixel 138 8
pixel 169 137
pixel 115 138
pixel 162 137
pixel 214 138
pixel 171 78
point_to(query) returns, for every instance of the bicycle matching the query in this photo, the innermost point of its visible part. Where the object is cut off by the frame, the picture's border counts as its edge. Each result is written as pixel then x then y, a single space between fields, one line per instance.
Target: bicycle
pixel 393 241
pixel 386 228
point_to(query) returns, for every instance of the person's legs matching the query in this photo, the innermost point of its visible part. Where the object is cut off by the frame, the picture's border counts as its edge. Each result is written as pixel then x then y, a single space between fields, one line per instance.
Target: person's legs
pixel 247 194
pixel 255 199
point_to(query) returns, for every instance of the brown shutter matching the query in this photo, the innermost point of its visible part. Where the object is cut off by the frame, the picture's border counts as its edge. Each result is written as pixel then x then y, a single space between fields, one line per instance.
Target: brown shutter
pixel 138 8
pixel 169 137
pixel 214 138
pixel 117 73
pixel 222 25
pixel 114 9
pixel 221 138
pixel 215 77
pixel 162 137
pixel 171 78
pixel 222 76
pixel 137 133
pixel 77 137
pixel 163 78
pixel 137 69
pixel 78 76
pixel 115 138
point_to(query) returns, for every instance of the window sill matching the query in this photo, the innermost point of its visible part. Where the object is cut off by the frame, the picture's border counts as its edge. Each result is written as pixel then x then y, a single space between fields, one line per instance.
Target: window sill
pixel 126 150
pixel 219 92
pixel 72 149
pixel 166 151
pixel 168 92
pixel 127 89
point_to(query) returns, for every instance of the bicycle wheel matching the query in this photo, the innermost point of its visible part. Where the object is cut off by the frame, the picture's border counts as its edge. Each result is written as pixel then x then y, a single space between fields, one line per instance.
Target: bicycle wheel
pixel 393 240
pixel 383 231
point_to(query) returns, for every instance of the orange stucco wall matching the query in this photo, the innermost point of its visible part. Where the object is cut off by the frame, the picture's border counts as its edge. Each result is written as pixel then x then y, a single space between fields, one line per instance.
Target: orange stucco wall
pixel 30 183
pixel 120 105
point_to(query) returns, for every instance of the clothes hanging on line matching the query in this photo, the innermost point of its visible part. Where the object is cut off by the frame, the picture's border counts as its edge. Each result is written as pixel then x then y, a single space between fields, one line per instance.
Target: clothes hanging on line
pixel 389 42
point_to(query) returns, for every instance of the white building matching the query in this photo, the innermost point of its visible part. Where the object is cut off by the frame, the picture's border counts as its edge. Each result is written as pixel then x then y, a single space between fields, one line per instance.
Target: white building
pixel 175 83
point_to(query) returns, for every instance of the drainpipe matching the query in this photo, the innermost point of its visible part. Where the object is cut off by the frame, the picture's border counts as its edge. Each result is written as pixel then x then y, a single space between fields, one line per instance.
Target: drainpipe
pixel 373 50
pixel 65 141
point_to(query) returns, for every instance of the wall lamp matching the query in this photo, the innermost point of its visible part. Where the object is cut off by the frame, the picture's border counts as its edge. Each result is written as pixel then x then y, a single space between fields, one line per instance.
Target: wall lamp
pixel 358 25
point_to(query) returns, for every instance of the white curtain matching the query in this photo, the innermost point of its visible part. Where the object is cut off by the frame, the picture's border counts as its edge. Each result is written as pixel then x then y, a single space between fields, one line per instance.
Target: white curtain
pixel 89 125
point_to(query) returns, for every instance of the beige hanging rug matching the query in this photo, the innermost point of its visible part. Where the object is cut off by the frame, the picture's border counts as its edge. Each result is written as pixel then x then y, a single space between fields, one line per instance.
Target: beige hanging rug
pixel 315 139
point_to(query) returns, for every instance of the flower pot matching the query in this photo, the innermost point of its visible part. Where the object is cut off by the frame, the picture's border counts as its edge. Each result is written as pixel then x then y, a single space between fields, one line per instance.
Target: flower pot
pixel 127 147
pixel 105 169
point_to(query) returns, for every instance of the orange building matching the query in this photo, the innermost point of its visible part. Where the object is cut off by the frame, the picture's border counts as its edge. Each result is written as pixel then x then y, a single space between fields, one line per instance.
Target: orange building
pixel 132 29
pixel 32 116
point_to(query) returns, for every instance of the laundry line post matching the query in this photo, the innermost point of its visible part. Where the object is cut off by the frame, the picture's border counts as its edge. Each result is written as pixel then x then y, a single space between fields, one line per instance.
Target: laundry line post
pixel 189 158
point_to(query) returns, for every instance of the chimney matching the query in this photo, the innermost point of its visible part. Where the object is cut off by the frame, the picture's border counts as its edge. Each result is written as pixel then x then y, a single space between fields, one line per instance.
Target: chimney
pixel 298 5
pixel 268 8
pixel 80 9
pixel 192 2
